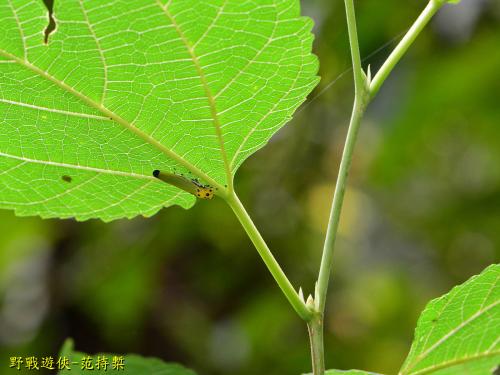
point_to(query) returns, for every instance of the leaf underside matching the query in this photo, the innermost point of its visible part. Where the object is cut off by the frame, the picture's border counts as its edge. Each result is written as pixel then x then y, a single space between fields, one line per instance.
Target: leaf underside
pixel 125 87
pixel 459 333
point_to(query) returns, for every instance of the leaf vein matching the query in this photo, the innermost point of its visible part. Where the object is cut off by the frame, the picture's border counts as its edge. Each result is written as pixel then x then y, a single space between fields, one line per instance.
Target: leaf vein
pixel 453 332
pixel 74 166
pixel 124 123
pixel 99 49
pixel 206 88
pixel 21 32
pixel 52 110
pixel 453 363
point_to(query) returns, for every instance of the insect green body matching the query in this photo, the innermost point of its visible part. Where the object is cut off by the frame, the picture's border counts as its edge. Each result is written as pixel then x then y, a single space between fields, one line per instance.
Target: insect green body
pixel 192 186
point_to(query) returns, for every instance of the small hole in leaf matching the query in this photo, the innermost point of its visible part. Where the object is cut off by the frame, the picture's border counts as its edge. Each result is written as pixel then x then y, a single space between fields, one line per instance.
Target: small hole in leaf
pixel 52 23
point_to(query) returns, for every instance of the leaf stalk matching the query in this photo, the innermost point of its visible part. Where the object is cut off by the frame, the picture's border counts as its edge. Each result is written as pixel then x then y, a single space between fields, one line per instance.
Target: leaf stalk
pixel 267 256
pixel 430 10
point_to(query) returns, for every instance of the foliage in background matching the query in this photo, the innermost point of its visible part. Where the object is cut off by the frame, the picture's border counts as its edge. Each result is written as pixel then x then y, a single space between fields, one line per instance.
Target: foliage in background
pixel 389 253
pixel 132 364
pixel 456 333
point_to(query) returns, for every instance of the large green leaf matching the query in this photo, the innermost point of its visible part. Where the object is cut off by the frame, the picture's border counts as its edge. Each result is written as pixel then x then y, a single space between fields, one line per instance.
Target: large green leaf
pixel 125 87
pixel 459 333
pixel 103 364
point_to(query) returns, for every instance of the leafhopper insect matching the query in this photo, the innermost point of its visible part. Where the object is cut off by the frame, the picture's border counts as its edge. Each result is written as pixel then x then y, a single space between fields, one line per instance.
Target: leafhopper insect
pixel 192 186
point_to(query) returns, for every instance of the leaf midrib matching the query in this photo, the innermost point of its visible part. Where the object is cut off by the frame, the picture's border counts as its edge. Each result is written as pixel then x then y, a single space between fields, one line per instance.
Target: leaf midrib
pixel 206 88
pixel 110 114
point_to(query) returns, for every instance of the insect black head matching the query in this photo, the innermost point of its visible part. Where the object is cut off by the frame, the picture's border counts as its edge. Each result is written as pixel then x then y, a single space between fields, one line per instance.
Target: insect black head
pixel 66 178
pixel 156 173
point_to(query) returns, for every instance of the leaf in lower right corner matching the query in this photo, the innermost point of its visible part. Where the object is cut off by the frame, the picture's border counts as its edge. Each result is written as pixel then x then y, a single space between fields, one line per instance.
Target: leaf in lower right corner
pixel 459 333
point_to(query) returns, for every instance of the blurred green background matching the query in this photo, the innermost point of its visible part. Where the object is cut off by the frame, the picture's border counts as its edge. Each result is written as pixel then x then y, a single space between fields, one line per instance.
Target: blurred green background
pixel 422 213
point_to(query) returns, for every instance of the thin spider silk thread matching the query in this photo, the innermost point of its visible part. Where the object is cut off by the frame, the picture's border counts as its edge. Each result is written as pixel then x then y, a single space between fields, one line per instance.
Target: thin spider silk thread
pixel 341 75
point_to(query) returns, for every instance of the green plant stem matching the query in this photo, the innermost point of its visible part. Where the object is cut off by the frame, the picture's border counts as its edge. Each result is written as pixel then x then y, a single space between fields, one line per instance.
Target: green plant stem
pixel 338 199
pixel 360 103
pixel 354 45
pixel 297 303
pixel 362 97
pixel 430 10
pixel 315 329
pixel 364 92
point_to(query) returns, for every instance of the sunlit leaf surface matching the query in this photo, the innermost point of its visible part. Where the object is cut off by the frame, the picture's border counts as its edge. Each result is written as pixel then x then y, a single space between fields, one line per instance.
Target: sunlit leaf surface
pixel 125 87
